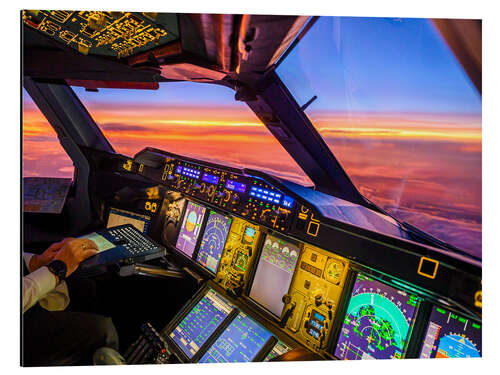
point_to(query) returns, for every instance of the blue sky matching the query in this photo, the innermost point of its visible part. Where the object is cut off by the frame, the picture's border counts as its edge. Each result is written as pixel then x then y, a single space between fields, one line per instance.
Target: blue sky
pixel 352 64
pixel 378 64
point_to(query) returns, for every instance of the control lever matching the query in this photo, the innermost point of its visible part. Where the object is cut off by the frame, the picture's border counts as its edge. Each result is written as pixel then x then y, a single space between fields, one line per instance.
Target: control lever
pixel 147 270
pixel 287 299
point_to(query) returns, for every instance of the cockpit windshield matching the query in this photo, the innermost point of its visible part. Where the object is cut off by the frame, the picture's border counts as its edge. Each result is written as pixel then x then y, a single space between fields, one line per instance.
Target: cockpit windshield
pixel 200 120
pixel 400 115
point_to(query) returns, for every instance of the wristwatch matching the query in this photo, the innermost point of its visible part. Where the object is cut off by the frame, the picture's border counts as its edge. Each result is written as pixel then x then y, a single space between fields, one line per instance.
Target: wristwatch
pixel 58 268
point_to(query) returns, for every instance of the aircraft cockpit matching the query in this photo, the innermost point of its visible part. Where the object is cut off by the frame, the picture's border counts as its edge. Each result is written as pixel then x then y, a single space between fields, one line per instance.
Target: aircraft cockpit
pixel 275 255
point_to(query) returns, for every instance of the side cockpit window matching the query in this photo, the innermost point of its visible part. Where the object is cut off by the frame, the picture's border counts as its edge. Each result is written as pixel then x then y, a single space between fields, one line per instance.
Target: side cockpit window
pixel 43 155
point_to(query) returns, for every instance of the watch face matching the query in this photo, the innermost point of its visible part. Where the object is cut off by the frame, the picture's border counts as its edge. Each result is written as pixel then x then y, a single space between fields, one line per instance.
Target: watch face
pixel 58 268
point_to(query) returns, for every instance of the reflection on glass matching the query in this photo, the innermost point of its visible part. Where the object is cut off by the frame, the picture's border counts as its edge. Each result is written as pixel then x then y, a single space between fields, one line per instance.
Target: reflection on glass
pixel 400 115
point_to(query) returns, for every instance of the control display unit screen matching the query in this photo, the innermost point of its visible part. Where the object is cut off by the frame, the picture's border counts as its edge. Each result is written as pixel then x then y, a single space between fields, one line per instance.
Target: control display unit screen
pixel 190 229
pixel 120 217
pixel 449 335
pixel 274 273
pixel 213 241
pixel 378 321
pixel 201 322
pixel 240 342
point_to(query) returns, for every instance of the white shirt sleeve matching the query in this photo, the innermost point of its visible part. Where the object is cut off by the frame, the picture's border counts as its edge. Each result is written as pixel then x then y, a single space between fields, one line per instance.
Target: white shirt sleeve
pixel 40 286
pixel 36 285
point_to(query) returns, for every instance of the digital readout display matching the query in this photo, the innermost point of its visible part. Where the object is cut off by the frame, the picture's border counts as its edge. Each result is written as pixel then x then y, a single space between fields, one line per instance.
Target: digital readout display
pixel 236 186
pixel 210 178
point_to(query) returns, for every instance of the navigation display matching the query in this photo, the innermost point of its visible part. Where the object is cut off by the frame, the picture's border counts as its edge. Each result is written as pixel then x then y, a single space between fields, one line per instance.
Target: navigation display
pixel 190 229
pixel 213 241
pixel 377 322
pixel 240 342
pixel 201 322
pixel 449 335
pixel 274 273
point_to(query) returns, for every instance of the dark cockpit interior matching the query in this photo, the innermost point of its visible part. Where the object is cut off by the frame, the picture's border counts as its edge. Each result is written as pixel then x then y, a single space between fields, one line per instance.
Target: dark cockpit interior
pixel 203 261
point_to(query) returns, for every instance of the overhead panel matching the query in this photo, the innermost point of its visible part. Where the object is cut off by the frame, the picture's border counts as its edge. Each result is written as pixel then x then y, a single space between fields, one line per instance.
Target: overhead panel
pixel 111 34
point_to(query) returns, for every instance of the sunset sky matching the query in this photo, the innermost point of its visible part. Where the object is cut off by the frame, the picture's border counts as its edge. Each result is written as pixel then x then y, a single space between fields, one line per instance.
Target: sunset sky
pixel 393 104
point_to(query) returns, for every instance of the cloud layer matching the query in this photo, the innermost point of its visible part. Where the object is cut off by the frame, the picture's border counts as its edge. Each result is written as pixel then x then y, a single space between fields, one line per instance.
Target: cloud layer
pixel 424 169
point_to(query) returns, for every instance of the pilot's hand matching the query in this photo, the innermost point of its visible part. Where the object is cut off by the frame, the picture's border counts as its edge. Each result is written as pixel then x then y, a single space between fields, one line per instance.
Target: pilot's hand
pixel 47 256
pixel 74 252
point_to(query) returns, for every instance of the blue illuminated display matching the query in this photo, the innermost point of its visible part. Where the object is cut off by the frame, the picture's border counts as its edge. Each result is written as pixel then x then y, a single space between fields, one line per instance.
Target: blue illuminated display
pixel 287 201
pixel 314 334
pixel 319 316
pixel 265 195
pixel 189 172
pixel 210 178
pixel 236 186
pixel 240 342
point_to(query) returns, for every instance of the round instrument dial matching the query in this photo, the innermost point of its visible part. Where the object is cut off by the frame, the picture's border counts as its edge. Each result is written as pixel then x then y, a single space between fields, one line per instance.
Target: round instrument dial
pixel 333 272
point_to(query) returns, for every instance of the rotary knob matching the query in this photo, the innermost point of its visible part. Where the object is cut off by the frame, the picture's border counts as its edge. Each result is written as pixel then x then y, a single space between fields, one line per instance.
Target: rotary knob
pixel 286 299
pixel 318 297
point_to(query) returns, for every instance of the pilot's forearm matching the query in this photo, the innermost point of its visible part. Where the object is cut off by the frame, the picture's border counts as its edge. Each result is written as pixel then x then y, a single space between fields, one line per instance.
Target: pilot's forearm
pixel 36 285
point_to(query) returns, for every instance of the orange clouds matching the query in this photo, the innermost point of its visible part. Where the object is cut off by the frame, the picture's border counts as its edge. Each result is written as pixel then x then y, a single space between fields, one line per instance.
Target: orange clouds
pixel 422 168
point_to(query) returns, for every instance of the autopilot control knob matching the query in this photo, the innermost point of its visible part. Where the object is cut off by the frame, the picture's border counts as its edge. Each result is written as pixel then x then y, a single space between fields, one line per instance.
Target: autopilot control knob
pixel 227 195
pixel 286 299
pixel 236 199
pixel 265 214
pixel 318 298
pixel 282 215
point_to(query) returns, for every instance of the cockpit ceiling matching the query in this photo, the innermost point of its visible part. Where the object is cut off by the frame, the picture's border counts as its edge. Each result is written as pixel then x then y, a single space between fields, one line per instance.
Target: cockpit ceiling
pixel 110 34
pixel 152 47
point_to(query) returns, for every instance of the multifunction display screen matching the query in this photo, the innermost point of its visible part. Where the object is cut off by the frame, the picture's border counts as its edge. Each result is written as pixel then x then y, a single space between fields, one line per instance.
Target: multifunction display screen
pixel 201 322
pixel 450 335
pixel 190 229
pixel 378 321
pixel 274 273
pixel 213 241
pixel 240 342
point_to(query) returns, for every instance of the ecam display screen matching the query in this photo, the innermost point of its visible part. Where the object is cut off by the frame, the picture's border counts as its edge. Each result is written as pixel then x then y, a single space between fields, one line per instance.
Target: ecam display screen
pixel 190 229
pixel 236 186
pixel 274 273
pixel 450 335
pixel 201 322
pixel 240 342
pixel 377 322
pixel 213 241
